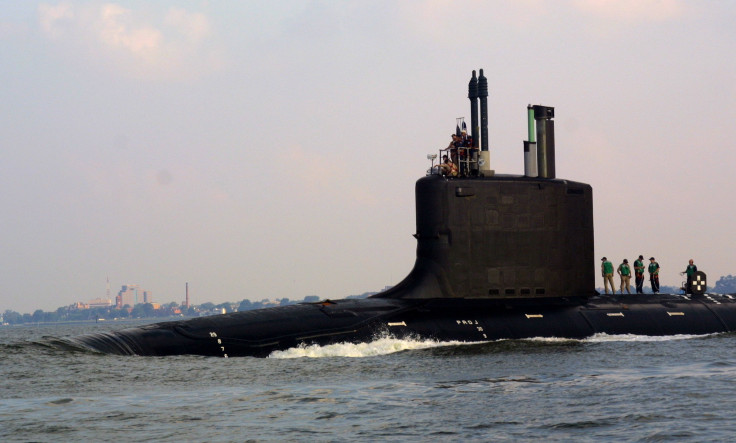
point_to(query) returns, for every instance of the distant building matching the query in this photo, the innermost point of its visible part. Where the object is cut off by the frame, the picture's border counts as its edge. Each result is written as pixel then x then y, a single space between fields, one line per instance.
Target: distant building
pixel 100 303
pixel 128 295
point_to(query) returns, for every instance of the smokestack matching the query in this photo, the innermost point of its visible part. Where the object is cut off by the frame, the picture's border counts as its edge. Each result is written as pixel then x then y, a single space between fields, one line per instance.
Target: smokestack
pixel 186 303
pixel 473 96
pixel 485 156
pixel 545 140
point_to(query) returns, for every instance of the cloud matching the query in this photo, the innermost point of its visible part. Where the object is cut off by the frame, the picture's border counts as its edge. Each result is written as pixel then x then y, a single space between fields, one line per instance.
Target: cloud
pixel 53 19
pixel 116 31
pixel 193 25
pixel 172 44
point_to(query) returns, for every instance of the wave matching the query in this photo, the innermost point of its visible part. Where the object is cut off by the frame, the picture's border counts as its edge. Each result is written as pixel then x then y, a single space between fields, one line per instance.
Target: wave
pixel 601 337
pixel 380 346
pixel 389 345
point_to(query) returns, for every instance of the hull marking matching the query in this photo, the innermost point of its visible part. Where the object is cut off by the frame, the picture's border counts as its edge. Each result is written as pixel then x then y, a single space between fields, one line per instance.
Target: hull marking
pixel 675 313
pixel 534 315
pixel 615 314
pixel 401 323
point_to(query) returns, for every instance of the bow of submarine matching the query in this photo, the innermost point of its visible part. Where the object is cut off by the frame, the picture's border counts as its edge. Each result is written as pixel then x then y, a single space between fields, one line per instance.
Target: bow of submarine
pixel 257 332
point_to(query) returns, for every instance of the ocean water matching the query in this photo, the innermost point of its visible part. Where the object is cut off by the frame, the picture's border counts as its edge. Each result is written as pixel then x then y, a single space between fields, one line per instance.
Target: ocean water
pixel 607 388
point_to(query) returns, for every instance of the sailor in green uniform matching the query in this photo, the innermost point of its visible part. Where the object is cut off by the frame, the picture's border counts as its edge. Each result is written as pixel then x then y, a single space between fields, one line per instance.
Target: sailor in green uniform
pixel 690 270
pixel 639 274
pixel 607 272
pixel 624 271
pixel 654 275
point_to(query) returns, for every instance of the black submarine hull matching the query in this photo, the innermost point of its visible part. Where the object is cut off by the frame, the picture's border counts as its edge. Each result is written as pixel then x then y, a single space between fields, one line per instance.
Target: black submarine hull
pixel 259 333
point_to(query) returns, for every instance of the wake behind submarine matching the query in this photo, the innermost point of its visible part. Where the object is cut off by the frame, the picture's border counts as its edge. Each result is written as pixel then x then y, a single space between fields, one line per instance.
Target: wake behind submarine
pixel 498 257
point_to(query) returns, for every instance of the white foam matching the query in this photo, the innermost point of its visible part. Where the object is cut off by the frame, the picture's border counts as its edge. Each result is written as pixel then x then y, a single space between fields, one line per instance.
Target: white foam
pixel 604 338
pixel 388 345
pixel 601 337
pixel 381 346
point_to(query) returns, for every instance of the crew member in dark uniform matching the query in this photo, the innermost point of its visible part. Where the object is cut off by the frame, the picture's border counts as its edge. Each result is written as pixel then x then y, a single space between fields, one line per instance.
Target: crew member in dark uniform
pixel 639 273
pixel 463 147
pixel 454 146
pixel 690 270
pixel 654 275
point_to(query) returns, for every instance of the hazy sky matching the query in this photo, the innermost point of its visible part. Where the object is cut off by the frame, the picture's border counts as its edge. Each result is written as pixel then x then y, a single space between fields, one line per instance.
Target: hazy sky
pixel 270 149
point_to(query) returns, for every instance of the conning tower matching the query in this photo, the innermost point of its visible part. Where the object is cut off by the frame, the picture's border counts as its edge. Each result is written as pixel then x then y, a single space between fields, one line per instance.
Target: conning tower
pixel 500 236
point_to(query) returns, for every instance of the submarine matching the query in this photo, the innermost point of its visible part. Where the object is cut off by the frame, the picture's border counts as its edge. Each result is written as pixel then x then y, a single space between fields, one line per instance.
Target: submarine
pixel 498 257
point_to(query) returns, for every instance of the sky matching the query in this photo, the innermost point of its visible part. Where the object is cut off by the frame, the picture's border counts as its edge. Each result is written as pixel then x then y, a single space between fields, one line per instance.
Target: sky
pixel 270 149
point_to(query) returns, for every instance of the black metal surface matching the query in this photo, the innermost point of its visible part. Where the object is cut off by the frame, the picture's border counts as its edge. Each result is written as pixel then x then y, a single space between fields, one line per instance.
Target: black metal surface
pixel 473 96
pixel 483 95
pixel 501 236
pixel 258 333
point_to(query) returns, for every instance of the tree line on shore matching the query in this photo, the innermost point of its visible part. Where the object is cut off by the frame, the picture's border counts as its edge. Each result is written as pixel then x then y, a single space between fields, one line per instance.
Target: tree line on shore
pixel 725 285
pixel 147 310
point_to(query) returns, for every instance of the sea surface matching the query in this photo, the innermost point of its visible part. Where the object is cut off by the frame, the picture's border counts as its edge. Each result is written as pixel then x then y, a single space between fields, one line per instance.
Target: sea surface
pixel 606 388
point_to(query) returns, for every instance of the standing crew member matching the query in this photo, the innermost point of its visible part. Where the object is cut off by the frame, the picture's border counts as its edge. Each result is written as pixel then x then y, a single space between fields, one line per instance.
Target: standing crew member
pixel 654 275
pixel 453 147
pixel 690 270
pixel 607 272
pixel 639 272
pixel 624 271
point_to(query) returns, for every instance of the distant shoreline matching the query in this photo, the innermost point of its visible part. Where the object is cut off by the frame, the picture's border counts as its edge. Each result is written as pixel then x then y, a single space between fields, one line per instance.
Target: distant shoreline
pixel 84 322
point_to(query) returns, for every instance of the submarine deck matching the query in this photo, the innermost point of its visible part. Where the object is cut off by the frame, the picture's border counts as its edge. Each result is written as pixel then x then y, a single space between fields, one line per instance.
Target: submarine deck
pixel 260 332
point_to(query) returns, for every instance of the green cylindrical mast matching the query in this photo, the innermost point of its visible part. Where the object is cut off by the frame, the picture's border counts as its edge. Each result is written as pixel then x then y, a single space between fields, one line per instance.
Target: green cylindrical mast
pixel 530 118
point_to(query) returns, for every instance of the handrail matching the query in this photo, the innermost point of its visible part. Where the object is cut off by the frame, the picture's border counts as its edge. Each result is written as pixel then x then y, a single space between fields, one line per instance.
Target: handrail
pixel 465 157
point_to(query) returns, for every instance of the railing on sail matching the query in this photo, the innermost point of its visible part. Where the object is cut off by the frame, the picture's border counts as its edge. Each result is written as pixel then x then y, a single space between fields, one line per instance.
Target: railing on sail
pixel 465 159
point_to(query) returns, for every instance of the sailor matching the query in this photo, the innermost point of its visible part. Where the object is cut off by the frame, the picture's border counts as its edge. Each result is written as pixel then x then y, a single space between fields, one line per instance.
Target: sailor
pixel 447 167
pixel 463 153
pixel 453 146
pixel 607 272
pixel 624 271
pixel 690 270
pixel 639 273
pixel 654 275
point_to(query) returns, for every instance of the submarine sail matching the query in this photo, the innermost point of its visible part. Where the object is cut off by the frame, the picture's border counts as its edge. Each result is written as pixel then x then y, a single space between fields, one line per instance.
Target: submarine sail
pixel 498 257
